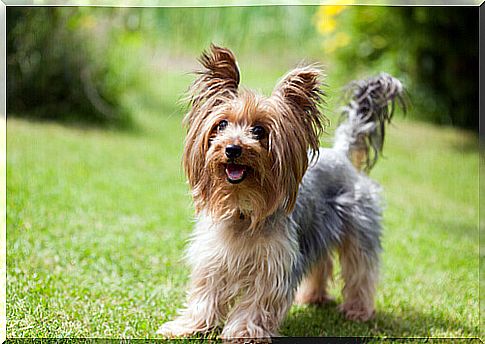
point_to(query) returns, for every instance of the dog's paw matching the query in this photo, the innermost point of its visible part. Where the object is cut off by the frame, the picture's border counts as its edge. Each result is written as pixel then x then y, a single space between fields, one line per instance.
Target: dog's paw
pixel 356 311
pixel 180 327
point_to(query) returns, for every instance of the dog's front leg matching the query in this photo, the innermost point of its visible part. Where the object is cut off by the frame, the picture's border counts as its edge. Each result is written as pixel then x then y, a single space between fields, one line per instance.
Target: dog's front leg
pixel 205 308
pixel 259 313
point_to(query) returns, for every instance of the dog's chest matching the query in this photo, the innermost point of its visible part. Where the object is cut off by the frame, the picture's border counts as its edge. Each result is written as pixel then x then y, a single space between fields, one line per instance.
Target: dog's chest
pixel 225 248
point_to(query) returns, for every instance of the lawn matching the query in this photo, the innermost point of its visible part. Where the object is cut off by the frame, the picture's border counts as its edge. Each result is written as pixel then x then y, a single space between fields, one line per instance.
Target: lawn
pixel 97 221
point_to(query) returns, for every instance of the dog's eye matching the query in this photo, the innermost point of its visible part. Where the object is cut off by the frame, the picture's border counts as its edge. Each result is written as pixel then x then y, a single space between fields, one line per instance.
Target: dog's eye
pixel 258 132
pixel 222 125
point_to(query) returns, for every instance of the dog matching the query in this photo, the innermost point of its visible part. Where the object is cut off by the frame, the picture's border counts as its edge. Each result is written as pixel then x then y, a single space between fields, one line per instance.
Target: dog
pixel 272 205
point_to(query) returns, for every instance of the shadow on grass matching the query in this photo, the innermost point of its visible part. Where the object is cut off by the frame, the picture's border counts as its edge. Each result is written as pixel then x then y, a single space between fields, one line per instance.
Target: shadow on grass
pixel 326 320
pixel 76 122
pixel 131 125
pixel 469 143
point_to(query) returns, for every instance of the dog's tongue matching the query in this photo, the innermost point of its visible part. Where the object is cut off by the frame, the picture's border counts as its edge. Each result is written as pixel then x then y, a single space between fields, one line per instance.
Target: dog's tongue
pixel 234 171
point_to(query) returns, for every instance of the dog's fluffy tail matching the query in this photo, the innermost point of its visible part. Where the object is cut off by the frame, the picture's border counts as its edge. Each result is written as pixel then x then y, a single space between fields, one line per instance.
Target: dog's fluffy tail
pixel 361 132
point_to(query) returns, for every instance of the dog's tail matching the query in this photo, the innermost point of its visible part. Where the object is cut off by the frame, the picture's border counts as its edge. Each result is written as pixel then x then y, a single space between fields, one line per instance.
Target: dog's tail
pixel 361 132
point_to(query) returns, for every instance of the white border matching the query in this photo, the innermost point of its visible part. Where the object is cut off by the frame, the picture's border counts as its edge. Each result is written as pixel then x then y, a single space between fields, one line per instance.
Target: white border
pixel 229 3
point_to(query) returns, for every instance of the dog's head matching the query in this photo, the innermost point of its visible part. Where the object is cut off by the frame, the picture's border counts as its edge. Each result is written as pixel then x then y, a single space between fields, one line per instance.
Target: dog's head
pixel 245 153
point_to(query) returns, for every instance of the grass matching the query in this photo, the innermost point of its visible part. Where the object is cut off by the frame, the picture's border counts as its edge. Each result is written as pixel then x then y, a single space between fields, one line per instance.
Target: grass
pixel 97 223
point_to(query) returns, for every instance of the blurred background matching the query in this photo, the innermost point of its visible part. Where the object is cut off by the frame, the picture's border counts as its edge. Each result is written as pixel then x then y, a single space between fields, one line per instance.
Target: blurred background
pixel 126 67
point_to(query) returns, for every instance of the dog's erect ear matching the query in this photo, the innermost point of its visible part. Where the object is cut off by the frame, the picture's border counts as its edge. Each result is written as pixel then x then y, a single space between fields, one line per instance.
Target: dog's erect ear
pixel 221 73
pixel 300 90
pixel 297 99
pixel 216 83
pixel 218 80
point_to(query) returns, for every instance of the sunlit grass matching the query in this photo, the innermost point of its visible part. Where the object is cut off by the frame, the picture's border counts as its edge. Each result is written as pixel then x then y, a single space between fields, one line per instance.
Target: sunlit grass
pixel 97 223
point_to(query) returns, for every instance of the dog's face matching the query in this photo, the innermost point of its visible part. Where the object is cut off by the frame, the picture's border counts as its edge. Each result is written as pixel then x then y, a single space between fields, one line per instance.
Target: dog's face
pixel 246 154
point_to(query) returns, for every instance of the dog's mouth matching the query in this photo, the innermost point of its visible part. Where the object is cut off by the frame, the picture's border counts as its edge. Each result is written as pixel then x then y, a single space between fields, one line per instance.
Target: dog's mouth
pixel 235 173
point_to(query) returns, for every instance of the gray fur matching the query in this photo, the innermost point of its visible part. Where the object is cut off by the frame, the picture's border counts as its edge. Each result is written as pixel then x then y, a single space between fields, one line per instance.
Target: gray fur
pixel 335 199
pixel 371 106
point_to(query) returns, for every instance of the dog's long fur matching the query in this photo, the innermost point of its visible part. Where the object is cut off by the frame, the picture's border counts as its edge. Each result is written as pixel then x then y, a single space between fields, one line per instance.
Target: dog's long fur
pixel 271 231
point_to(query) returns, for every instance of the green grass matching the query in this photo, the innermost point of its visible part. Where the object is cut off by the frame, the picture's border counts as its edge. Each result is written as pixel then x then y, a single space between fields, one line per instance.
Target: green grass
pixel 97 223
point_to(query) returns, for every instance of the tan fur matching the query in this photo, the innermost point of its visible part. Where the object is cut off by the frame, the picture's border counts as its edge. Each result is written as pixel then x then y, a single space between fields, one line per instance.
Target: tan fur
pixel 290 115
pixel 260 194
pixel 313 288
pixel 360 278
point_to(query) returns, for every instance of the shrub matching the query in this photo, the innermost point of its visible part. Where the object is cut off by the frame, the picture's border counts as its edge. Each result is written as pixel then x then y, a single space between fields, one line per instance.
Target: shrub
pixel 56 71
pixel 434 49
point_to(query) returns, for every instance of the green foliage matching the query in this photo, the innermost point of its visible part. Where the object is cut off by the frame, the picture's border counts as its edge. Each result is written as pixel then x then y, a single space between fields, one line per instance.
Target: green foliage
pixel 271 31
pixel 433 49
pixel 58 66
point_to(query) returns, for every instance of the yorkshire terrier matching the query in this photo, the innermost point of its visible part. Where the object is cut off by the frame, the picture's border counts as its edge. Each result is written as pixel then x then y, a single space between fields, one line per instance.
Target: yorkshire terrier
pixel 272 206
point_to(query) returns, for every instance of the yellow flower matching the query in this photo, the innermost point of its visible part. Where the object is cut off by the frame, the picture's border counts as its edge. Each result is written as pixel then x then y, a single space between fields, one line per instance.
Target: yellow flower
pixel 327 25
pixel 332 10
pixel 325 16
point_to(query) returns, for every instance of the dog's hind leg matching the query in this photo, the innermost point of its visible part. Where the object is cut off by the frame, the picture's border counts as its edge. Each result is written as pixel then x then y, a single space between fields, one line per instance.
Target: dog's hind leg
pixel 360 274
pixel 313 288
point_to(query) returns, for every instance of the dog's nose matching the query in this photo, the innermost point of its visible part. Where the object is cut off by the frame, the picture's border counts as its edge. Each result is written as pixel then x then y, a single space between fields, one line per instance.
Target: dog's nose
pixel 233 151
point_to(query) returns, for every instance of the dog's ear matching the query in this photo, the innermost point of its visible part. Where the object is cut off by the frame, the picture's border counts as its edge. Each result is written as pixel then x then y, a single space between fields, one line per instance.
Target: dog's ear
pixel 218 80
pixel 215 84
pixel 297 99
pixel 301 90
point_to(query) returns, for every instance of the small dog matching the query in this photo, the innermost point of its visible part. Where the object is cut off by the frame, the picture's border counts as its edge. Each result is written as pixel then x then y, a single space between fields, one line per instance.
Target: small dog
pixel 267 221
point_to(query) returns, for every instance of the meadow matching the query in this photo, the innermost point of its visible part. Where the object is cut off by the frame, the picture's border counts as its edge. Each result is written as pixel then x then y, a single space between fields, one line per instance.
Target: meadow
pixel 97 222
